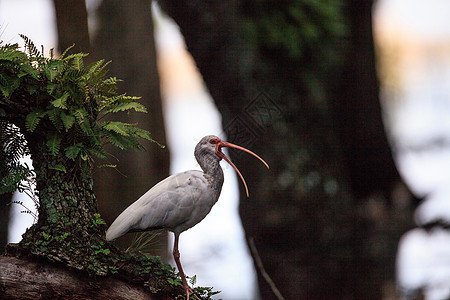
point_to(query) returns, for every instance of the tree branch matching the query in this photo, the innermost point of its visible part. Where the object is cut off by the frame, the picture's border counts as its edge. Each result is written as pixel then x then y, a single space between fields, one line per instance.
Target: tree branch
pixel 24 279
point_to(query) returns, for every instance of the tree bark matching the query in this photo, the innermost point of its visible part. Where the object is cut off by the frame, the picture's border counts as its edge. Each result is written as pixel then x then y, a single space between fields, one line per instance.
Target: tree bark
pixel 28 279
pixel 299 215
pixel 384 203
pixel 125 36
pixel 5 200
pixel 276 97
pixel 72 25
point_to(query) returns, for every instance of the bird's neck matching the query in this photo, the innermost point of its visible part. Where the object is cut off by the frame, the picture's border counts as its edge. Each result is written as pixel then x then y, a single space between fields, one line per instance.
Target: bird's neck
pixel 213 173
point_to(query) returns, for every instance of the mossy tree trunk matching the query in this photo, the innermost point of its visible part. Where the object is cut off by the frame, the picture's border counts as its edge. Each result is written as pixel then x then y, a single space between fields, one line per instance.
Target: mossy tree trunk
pixel 59 105
pixel 69 228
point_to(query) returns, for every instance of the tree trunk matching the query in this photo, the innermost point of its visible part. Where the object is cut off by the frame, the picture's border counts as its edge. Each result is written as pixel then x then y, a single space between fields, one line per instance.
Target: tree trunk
pixel 28 279
pixel 125 36
pixel 299 215
pixel 72 25
pixel 5 200
pixel 270 67
pixel 384 203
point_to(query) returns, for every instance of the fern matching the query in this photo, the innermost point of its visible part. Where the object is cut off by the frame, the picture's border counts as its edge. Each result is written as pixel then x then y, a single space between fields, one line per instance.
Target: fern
pixel 68 120
pixel 53 143
pixel 59 167
pixel 11 53
pixel 118 127
pixel 63 55
pixel 33 118
pixel 13 180
pixel 61 101
pixel 125 106
pixel 67 101
pixel 72 152
pixel 54 115
pixel 30 47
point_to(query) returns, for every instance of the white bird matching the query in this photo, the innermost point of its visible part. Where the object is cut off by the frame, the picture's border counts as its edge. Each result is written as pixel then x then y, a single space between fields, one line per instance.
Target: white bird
pixel 180 201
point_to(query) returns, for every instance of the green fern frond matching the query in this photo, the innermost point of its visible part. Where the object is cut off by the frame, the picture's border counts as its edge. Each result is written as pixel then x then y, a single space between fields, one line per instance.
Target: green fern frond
pixel 75 75
pixel 110 84
pixel 118 127
pixel 61 101
pixel 106 166
pixel 12 181
pixel 63 55
pixel 67 120
pixel 125 106
pixel 78 61
pixel 59 167
pixel 142 133
pixel 53 69
pixel 28 70
pixel 53 143
pixel 81 116
pixel 108 102
pixel 95 66
pixel 122 141
pixel 72 152
pixel 11 53
pixel 8 85
pixel 54 115
pixel 30 47
pixel 33 118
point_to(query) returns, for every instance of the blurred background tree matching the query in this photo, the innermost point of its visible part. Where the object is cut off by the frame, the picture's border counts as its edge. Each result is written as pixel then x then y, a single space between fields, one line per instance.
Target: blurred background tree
pixel 125 36
pixel 121 27
pixel 297 81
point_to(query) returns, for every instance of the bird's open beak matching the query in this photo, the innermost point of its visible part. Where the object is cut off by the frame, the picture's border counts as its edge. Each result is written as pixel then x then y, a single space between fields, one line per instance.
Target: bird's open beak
pixel 220 154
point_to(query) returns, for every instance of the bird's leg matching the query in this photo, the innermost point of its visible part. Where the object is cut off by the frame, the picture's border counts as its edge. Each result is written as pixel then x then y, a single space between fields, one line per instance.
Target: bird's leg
pixel 176 257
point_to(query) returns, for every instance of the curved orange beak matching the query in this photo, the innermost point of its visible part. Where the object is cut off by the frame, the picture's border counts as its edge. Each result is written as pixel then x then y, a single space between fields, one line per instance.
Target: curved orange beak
pixel 220 154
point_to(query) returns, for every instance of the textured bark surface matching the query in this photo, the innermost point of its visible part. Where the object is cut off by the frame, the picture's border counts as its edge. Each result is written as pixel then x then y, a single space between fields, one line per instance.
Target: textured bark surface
pixel 24 279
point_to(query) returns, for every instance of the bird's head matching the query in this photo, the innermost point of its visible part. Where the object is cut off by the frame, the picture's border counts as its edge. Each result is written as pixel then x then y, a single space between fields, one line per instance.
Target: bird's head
pixel 212 145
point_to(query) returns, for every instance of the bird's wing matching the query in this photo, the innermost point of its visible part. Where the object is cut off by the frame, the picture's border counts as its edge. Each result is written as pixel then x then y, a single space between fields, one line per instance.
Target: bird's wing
pixel 166 205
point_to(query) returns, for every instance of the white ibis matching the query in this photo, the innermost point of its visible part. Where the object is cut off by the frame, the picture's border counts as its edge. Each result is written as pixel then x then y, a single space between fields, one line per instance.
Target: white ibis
pixel 182 200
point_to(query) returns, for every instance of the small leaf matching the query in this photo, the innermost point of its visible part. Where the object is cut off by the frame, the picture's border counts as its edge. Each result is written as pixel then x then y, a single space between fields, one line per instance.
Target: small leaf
pixel 61 101
pixel 73 151
pixel 67 120
pixel 106 166
pixel 126 106
pixel 54 115
pixel 59 168
pixel 33 118
pixel 53 143
pixel 118 127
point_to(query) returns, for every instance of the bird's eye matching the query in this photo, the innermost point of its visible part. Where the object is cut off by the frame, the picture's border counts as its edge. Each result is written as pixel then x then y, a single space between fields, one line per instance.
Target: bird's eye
pixel 213 141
